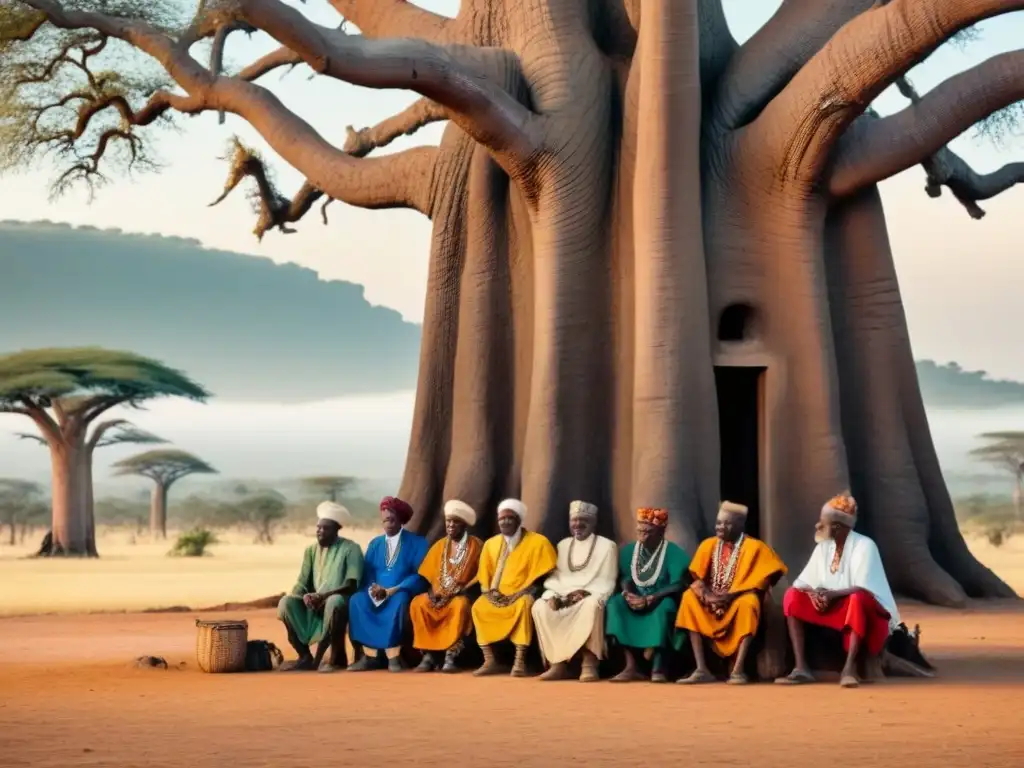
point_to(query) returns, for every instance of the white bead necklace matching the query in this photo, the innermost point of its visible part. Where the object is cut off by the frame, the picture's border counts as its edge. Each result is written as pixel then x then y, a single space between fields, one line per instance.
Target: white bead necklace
pixel 657 560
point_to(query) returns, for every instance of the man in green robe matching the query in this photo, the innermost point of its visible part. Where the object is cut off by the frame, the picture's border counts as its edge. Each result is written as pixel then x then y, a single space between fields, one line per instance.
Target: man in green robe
pixel 642 617
pixel 316 611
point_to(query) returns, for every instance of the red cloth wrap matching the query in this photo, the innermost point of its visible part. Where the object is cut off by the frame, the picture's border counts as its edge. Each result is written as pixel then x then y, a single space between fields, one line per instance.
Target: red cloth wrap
pixel 399 507
pixel 858 613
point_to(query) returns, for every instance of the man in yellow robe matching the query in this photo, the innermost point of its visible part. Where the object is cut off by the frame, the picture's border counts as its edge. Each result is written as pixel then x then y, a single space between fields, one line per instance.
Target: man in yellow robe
pixel 731 574
pixel 441 617
pixel 511 567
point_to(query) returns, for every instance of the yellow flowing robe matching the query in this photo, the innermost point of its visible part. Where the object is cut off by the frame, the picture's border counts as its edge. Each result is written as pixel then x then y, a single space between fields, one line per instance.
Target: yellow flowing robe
pixel 757 568
pixel 438 629
pixel 532 558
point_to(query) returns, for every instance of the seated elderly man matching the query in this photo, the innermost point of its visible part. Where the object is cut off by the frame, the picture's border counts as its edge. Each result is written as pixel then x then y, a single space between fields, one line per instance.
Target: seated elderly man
pixel 315 611
pixel 731 573
pixel 641 617
pixel 379 610
pixel 441 617
pixel 843 587
pixel 569 616
pixel 511 567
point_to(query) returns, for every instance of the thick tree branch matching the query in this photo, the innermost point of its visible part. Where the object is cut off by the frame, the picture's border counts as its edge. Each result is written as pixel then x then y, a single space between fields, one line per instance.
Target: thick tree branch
pixel 766 63
pixel 50 429
pixel 422 112
pixel 874 150
pixel 397 18
pixel 370 182
pixel 863 58
pixel 281 57
pixel 101 429
pixel 451 76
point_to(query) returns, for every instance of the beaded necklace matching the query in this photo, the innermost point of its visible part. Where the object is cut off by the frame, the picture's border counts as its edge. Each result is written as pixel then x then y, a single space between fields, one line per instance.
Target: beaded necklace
pixel 655 560
pixel 392 558
pixel 722 578
pixel 837 558
pixel 450 579
pixel 590 553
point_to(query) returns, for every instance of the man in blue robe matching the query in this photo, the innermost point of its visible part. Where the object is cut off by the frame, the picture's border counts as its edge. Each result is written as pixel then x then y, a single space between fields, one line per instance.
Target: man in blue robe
pixel 379 610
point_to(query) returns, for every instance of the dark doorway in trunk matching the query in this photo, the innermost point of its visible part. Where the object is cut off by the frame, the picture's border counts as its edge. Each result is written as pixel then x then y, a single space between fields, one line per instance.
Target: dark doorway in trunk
pixel 740 408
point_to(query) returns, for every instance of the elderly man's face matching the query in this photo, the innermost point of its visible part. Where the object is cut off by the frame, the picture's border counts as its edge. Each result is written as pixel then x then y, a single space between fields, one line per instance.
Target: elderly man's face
pixel 454 527
pixel 326 532
pixel 390 522
pixel 827 529
pixel 729 526
pixel 649 535
pixel 581 527
pixel 508 522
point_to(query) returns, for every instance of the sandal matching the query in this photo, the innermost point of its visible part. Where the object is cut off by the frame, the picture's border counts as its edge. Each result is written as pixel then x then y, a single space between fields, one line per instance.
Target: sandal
pixel 699 677
pixel 796 677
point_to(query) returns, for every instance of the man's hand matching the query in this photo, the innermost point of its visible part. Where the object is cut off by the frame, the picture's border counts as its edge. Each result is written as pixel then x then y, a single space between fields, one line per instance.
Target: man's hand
pixel 308 598
pixel 822 600
pixel 555 603
pixel 378 592
pixel 575 597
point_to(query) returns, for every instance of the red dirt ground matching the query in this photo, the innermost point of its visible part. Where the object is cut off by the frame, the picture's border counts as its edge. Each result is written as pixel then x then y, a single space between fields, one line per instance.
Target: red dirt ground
pixel 69 697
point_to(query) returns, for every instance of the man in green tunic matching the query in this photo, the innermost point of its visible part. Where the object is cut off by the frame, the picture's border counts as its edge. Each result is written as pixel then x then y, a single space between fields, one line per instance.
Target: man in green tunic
pixel 316 611
pixel 642 617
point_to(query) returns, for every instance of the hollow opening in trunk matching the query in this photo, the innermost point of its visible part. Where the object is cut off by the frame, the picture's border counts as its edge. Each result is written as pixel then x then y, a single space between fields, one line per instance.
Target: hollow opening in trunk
pixel 738 322
pixel 740 411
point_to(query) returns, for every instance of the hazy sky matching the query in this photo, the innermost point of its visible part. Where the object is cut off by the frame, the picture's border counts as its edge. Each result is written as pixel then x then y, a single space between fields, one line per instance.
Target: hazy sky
pixel 960 278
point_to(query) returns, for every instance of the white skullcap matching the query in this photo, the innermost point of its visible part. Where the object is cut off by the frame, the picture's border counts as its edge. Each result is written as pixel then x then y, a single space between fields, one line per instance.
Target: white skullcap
pixel 582 509
pixel 513 505
pixel 461 511
pixel 330 510
pixel 733 508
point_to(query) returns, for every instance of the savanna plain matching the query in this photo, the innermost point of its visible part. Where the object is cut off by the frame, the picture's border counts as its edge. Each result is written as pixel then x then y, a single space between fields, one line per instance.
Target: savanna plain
pixel 70 694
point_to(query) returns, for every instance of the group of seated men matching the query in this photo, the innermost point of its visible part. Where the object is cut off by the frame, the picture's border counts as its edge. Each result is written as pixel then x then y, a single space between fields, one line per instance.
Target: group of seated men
pixel 646 596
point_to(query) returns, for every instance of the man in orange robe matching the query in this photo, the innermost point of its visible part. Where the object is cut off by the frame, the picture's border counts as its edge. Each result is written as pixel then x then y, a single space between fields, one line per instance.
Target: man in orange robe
pixel 443 617
pixel 731 573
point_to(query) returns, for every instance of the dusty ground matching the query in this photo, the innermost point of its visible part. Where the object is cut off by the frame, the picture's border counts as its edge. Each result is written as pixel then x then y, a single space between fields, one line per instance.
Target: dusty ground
pixel 69 697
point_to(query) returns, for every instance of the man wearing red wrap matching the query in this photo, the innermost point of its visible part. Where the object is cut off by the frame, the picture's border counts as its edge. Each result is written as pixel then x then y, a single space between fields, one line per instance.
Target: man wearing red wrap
pixel 843 587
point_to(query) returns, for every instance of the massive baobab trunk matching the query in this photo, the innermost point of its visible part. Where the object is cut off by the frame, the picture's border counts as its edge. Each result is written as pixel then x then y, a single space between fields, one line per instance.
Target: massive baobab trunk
pixel 158 511
pixel 659 271
pixel 69 528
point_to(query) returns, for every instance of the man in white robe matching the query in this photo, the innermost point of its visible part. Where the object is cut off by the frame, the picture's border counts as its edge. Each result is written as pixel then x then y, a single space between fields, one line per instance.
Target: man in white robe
pixel 569 617
pixel 843 587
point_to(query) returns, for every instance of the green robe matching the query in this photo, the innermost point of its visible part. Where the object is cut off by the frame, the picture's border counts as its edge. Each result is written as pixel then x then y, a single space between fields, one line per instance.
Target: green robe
pixel 654 628
pixel 324 569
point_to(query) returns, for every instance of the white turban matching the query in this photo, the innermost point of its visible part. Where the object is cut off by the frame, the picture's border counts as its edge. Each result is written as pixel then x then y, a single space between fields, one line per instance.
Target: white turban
pixel 513 505
pixel 330 510
pixel 733 508
pixel 582 509
pixel 461 511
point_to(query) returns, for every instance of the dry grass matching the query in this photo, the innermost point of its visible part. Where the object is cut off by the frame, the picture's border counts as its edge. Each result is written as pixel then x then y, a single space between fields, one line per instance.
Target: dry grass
pixel 134 577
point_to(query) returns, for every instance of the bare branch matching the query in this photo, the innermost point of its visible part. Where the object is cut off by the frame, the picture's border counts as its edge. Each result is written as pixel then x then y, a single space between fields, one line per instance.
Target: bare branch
pixel 282 57
pixel 398 18
pixel 422 112
pixel 766 62
pixel 399 180
pixel 451 76
pixel 366 182
pixel 874 150
pixel 30 437
pixel 852 69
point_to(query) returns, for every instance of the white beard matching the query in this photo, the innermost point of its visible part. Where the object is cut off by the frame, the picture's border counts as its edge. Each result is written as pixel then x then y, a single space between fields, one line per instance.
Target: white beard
pixel 821 536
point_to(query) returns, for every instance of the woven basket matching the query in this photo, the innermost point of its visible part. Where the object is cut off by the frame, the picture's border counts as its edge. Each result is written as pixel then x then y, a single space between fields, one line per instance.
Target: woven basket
pixel 220 645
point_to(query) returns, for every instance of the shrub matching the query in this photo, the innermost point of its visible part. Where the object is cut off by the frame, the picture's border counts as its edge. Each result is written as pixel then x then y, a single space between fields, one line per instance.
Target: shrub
pixel 193 543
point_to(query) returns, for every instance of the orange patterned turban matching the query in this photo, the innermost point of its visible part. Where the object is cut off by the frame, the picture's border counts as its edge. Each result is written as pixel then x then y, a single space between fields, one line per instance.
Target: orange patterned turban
pixel 658 517
pixel 841 509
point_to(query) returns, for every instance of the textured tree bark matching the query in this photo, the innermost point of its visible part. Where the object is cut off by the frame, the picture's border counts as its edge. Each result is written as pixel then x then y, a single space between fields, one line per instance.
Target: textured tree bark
pixel 158 511
pixel 70 535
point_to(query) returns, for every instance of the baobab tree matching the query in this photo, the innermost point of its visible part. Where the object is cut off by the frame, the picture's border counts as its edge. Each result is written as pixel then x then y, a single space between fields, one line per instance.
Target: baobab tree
pixel 1005 450
pixel 103 434
pixel 65 391
pixel 582 332
pixel 165 467
pixel 329 486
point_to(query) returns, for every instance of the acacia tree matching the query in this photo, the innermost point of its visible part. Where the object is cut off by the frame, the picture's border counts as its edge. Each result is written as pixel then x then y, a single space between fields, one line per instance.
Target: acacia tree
pixel 263 510
pixel 105 433
pixel 1005 450
pixel 21 504
pixel 569 339
pixel 65 391
pixel 165 467
pixel 329 486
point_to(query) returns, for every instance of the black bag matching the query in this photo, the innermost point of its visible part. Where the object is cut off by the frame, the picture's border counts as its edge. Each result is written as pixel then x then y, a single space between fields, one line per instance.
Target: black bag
pixel 262 656
pixel 906 645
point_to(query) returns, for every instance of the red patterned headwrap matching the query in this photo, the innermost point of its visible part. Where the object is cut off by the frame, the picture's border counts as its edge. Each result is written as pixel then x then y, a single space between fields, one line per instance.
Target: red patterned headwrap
pixel 399 507
pixel 658 517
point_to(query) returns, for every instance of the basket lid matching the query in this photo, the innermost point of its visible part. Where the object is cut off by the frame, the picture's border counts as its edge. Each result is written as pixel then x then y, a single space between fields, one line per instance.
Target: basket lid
pixel 224 624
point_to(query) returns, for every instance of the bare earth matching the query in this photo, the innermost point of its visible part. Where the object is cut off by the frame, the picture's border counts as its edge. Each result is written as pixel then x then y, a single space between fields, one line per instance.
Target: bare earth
pixel 70 696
